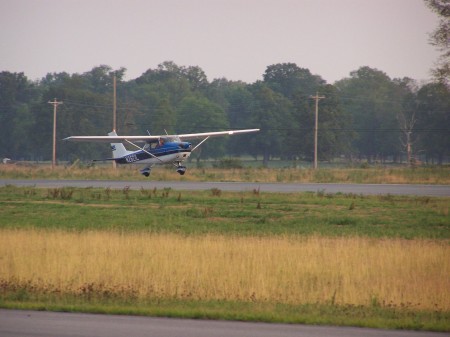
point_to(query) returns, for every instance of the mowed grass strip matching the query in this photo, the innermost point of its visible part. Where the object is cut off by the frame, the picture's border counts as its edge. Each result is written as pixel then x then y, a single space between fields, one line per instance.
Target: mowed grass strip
pixel 391 273
pixel 230 213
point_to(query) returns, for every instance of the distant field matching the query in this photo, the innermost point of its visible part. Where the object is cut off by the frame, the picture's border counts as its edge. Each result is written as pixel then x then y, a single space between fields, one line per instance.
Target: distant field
pixel 379 261
pixel 371 175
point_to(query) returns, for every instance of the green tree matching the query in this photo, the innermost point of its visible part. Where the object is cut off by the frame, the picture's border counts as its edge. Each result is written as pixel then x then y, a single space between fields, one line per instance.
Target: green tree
pixel 237 101
pixel 196 77
pixel 288 79
pixel 241 105
pixel 164 118
pixel 441 39
pixel 198 114
pixel 84 112
pixel 151 105
pixel 433 119
pixel 369 96
pixel 334 136
pixel 100 79
pixel 272 113
pixel 17 94
pixel 165 82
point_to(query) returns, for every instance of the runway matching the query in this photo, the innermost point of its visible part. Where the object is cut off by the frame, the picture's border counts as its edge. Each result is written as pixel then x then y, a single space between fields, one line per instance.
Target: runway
pixel 47 324
pixel 359 189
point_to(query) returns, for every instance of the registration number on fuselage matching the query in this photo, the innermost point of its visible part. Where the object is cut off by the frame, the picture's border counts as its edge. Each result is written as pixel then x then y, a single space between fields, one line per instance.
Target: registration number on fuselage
pixel 131 158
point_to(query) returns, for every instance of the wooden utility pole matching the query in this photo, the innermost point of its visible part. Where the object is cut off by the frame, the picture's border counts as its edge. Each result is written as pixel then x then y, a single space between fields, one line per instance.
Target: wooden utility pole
pixel 55 104
pixel 316 126
pixel 114 112
pixel 114 104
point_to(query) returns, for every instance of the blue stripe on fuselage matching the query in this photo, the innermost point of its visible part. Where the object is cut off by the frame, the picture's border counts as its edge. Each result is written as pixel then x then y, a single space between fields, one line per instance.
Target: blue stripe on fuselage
pixel 166 149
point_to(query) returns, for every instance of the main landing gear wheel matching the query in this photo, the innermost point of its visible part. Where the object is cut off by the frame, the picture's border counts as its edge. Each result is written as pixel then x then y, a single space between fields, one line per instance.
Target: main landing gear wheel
pixel 181 170
pixel 146 171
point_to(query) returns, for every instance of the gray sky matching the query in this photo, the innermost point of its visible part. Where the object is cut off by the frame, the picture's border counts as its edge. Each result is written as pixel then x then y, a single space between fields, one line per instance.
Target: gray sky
pixel 235 39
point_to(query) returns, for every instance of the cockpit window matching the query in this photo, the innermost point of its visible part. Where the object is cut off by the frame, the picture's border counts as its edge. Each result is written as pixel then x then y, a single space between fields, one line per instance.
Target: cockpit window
pixel 151 145
pixel 173 139
pixel 154 143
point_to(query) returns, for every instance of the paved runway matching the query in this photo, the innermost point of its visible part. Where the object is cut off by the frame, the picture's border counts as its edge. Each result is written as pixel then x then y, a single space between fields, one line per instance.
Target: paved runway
pixel 48 324
pixel 365 189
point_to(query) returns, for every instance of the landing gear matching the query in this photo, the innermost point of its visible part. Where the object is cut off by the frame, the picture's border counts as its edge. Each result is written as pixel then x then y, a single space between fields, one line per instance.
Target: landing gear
pixel 181 170
pixel 146 171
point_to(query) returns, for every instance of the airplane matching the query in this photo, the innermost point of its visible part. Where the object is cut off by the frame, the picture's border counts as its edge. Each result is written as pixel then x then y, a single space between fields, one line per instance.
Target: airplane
pixel 157 149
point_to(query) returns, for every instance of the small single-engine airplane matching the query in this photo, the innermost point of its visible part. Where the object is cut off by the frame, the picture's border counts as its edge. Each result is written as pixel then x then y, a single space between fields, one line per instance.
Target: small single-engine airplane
pixel 158 149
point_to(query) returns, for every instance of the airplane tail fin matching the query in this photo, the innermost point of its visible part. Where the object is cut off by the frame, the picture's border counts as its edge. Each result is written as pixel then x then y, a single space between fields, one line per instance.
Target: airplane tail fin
pixel 118 149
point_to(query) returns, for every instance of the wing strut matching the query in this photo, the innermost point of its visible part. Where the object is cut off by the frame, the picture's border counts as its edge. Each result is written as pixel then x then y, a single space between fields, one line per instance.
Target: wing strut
pixel 204 140
pixel 151 154
pixel 140 148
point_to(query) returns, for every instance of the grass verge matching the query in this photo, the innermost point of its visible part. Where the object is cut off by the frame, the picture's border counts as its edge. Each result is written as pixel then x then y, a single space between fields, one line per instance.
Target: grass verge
pixel 372 175
pixel 315 314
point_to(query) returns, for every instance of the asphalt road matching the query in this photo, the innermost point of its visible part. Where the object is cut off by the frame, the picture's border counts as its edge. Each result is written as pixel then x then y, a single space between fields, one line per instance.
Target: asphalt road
pixel 365 189
pixel 15 323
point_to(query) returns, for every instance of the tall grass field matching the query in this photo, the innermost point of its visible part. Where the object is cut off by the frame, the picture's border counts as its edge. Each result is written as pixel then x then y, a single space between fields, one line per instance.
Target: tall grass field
pixel 292 270
pixel 369 175
pixel 378 261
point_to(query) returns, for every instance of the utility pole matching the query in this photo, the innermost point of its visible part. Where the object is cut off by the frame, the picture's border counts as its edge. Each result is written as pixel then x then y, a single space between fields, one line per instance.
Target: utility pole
pixel 114 104
pixel 55 104
pixel 114 113
pixel 316 126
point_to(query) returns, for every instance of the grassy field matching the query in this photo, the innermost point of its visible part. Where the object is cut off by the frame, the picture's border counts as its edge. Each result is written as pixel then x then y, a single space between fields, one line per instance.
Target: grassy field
pixel 288 270
pixel 218 212
pixel 379 261
pixel 372 175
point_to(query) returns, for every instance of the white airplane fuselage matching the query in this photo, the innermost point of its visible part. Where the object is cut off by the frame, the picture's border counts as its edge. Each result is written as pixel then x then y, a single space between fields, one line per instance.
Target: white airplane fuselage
pixel 174 152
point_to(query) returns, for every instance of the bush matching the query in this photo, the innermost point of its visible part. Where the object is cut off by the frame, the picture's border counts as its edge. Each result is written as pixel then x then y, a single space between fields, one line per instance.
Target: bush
pixel 228 163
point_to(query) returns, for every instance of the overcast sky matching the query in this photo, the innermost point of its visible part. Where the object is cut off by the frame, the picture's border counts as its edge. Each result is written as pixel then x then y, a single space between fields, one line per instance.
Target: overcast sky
pixel 235 39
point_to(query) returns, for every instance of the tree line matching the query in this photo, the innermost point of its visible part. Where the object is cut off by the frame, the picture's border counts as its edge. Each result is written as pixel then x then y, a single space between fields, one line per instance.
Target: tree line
pixel 365 116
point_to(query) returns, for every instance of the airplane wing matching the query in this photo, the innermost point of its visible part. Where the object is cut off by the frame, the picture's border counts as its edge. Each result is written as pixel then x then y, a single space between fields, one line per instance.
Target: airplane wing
pixel 112 139
pixel 215 134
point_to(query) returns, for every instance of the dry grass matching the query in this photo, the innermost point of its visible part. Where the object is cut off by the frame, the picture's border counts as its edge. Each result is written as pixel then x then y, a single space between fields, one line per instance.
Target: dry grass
pixel 374 175
pixel 294 270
